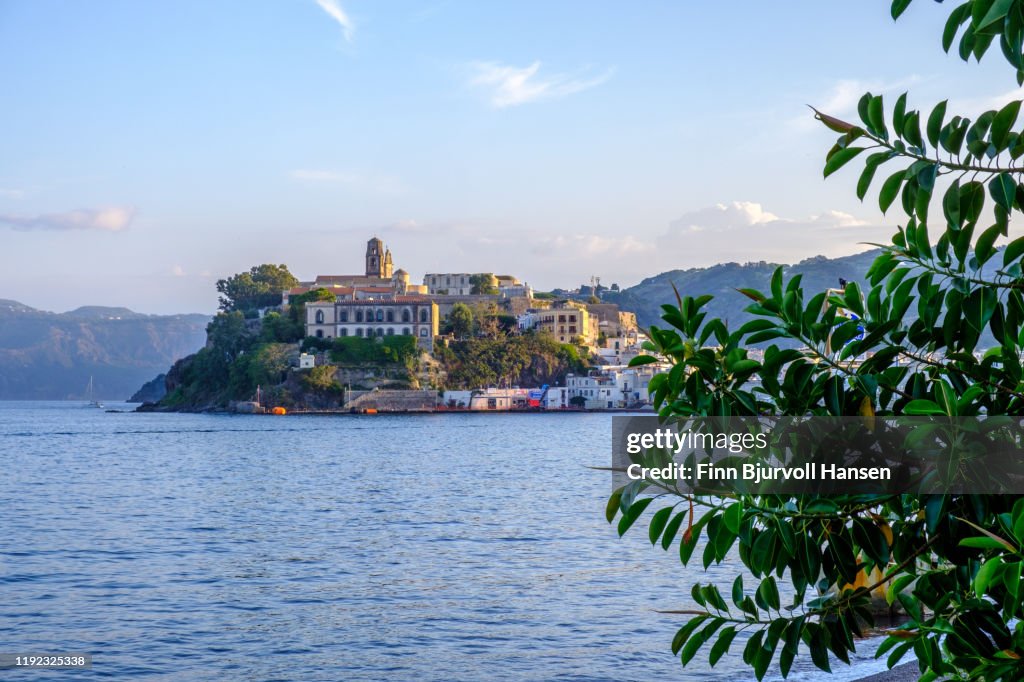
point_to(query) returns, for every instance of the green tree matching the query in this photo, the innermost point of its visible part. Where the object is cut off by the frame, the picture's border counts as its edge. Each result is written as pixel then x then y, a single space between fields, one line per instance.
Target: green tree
pixel 953 562
pixel 260 287
pixel 483 283
pixel 297 307
pixel 460 319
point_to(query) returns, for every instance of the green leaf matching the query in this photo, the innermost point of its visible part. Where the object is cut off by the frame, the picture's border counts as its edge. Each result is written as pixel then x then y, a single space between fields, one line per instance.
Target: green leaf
pixel 722 645
pixel 956 18
pixel 864 182
pixel 1002 188
pixel 922 406
pixel 630 516
pixel 876 116
pixel 996 12
pixel 613 505
pixel 840 158
pixel 672 529
pixel 1002 123
pixel 983 248
pixel 685 632
pixel 934 126
pixel 890 190
pixel 898 8
pixel 985 574
pixel 658 522
pixel 732 517
pixel 982 543
pixel 1014 250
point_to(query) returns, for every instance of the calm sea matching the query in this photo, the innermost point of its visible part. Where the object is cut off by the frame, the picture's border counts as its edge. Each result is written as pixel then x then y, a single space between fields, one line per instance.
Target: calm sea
pixel 429 547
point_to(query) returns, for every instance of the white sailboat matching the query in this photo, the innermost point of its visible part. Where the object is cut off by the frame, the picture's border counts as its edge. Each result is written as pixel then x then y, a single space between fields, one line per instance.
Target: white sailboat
pixel 90 397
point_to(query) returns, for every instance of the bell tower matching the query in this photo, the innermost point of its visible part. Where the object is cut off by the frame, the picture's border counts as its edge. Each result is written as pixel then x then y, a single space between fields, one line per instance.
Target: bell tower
pixel 375 258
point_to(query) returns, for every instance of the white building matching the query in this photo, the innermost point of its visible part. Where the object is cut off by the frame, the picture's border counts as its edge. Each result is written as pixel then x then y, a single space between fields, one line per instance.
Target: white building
pixel 387 316
pixel 307 361
pixel 450 283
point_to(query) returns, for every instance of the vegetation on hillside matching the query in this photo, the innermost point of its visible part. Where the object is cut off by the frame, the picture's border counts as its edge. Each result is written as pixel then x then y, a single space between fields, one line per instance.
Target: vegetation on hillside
pixel 953 562
pixel 528 360
pixel 260 287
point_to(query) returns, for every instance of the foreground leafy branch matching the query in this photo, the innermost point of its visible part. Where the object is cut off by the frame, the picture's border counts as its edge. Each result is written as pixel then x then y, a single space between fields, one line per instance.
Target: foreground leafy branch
pixel 935 328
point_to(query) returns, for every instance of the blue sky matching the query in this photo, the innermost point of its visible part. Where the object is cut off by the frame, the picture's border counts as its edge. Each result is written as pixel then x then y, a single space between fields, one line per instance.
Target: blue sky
pixel 148 149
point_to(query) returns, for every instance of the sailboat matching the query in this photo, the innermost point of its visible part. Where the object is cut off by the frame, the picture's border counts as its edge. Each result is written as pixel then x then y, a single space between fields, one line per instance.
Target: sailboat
pixel 90 397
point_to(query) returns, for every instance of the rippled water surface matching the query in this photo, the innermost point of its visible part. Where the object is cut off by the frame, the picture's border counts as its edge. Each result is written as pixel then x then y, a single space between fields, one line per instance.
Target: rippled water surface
pixel 431 547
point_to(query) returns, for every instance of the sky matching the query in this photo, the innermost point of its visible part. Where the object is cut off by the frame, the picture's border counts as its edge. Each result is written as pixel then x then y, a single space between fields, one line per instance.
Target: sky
pixel 149 149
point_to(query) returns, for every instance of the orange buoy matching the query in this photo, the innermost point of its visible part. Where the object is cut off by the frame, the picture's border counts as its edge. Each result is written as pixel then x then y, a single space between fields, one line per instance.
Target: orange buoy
pixel 371 410
pixel 278 410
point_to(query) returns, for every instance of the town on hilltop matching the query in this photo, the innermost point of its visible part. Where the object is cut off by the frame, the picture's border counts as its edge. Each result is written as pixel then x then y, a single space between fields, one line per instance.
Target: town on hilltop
pixel 436 319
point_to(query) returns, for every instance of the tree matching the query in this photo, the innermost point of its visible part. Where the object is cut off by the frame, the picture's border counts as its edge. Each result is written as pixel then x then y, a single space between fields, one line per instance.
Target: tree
pixel 461 321
pixel 953 561
pixel 483 283
pixel 260 287
pixel 297 308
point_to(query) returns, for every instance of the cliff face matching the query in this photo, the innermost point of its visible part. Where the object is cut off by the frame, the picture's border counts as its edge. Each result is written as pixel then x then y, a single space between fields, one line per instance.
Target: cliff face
pixel 50 356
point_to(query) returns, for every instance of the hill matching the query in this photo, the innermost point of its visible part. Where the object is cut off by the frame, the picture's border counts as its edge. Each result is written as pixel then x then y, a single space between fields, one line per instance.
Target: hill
pixel 722 280
pixel 50 356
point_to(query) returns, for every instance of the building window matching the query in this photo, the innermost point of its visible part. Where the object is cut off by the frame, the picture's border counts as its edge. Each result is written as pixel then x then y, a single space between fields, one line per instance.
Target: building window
pixel 319 317
pixel 406 316
pixel 380 331
pixel 344 316
pixel 359 316
pixel 319 333
pixel 391 315
pixel 423 332
pixel 359 331
pixel 344 332
pixel 423 315
pixel 561 318
pixel 406 331
pixel 572 329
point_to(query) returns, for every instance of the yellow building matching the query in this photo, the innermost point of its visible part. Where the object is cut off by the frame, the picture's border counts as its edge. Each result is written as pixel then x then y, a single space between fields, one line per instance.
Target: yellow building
pixel 568 323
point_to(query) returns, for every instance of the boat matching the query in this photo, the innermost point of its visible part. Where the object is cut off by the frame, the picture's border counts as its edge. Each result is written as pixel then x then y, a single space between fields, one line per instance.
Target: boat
pixel 92 402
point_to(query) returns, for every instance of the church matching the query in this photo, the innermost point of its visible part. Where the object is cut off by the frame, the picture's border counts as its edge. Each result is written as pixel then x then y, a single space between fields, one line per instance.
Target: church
pixel 380 279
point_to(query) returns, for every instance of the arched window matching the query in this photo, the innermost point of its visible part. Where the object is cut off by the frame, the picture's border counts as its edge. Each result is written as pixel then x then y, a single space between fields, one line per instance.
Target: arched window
pixel 391 331
pixel 359 316
pixel 344 316
pixel 380 314
pixel 406 315
pixel 391 315
pixel 423 315
pixel 319 317
pixel 406 331
pixel 319 333
pixel 359 331
pixel 423 332
pixel 380 331
pixel 344 332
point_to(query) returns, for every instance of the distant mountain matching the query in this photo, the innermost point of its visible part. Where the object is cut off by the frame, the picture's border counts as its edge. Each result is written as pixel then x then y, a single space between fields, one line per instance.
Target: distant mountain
pixel 51 356
pixel 722 281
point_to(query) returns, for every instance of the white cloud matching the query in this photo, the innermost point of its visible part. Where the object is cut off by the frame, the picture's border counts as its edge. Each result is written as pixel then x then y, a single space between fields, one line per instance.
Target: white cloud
pixel 841 99
pixel 334 10
pixel 509 86
pixel 178 271
pixel 112 219
pixel 744 231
